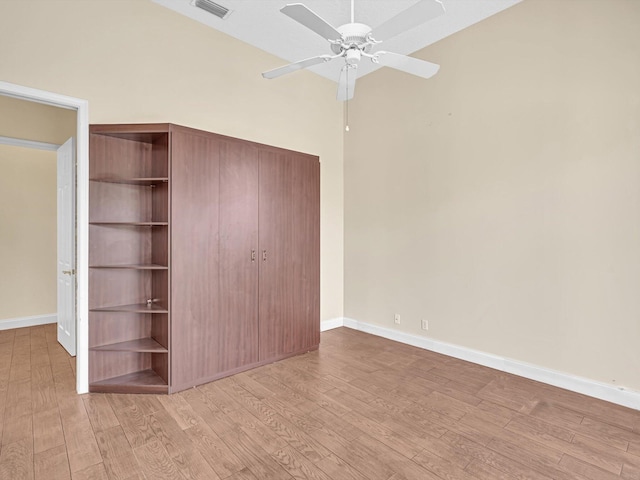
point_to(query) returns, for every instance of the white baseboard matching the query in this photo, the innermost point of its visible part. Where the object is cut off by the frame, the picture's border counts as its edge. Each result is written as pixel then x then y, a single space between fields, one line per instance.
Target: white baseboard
pixel 21 322
pixel 330 324
pixel 592 388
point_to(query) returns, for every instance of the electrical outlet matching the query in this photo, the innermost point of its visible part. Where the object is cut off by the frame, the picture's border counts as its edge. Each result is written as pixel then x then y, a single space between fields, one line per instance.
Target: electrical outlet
pixel 425 324
pixel 396 319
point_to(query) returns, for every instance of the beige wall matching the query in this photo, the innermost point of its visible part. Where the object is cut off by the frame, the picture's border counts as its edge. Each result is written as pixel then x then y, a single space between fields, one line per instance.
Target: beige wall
pixel 500 200
pixel 28 207
pixel 27 232
pixel 135 61
pixel 35 121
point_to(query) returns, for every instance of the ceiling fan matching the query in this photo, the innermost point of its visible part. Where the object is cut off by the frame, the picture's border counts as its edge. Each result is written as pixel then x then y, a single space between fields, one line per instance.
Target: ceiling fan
pixel 353 41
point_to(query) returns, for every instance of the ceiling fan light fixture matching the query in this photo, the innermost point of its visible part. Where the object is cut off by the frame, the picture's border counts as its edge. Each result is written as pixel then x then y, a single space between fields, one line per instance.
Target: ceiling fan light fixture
pixel 212 7
pixel 352 56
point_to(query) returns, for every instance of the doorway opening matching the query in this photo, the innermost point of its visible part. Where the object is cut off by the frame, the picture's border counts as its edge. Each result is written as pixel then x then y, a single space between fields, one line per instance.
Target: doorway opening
pixel 82 201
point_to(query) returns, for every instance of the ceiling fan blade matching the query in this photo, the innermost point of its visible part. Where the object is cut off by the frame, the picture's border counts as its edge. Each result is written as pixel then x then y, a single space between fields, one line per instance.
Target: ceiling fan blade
pixel 311 20
pixel 411 65
pixel 347 82
pixel 421 12
pixel 292 67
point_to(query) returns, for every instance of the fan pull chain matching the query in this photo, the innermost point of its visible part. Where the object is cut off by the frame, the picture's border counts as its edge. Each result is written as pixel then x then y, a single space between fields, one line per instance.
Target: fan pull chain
pixel 346 106
pixel 346 128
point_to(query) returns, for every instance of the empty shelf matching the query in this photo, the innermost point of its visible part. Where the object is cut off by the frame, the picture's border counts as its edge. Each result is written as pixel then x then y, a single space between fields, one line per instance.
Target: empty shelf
pixel 140 266
pixel 133 308
pixel 132 181
pixel 134 224
pixel 145 381
pixel 143 345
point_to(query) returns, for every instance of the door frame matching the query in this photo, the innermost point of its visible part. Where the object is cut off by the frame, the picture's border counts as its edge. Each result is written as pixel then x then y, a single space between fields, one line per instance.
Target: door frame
pixel 82 214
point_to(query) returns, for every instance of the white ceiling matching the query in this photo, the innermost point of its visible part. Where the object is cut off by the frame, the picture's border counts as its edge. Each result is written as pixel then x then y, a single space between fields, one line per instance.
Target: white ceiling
pixel 261 24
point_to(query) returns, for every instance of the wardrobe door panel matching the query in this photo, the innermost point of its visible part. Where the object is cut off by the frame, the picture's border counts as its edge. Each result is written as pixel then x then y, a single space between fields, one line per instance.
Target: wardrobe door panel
pixel 194 257
pixel 289 293
pixel 237 343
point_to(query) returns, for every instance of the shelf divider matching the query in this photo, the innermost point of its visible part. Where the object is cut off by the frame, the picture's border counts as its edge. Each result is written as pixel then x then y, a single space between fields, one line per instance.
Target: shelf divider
pixel 145 381
pixel 130 266
pixel 132 181
pixel 133 308
pixel 134 224
pixel 142 345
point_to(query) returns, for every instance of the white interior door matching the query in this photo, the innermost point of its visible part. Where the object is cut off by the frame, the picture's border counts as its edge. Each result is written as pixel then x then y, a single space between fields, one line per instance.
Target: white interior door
pixel 67 247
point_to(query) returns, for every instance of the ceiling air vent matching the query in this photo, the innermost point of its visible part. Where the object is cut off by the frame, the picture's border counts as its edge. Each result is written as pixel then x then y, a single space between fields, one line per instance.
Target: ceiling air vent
pixel 213 8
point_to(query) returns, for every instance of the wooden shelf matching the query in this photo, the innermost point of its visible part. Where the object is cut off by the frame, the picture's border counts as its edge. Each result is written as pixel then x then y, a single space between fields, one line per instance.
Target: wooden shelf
pixel 142 345
pixel 145 381
pixel 133 308
pixel 148 133
pixel 146 181
pixel 149 266
pixel 129 235
pixel 134 224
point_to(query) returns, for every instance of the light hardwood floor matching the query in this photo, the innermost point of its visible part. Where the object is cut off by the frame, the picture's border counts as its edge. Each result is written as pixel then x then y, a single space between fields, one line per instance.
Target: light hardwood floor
pixel 361 407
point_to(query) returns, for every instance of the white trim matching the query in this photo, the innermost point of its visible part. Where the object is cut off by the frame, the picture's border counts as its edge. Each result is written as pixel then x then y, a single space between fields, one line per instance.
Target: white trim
pixel 592 388
pixel 82 215
pixel 331 324
pixel 39 96
pixel 11 323
pixel 19 142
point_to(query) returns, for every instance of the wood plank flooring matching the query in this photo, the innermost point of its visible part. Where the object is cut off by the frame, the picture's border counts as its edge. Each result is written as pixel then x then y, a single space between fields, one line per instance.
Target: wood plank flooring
pixel 361 407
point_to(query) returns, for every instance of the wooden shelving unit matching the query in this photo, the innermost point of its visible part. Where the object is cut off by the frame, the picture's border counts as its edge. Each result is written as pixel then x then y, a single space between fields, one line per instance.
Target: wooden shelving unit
pixel 129 260
pixel 204 256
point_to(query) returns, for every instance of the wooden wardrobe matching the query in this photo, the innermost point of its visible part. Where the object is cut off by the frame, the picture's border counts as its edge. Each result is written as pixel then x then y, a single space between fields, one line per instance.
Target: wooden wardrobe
pixel 204 256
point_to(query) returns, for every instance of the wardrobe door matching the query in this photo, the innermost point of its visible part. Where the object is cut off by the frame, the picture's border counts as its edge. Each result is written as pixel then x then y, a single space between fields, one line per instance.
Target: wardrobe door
pixel 289 292
pixel 194 255
pixel 237 343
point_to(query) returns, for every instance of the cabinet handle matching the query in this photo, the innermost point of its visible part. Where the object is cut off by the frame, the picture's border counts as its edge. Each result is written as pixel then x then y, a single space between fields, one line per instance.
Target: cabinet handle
pixel 253 255
pixel 264 255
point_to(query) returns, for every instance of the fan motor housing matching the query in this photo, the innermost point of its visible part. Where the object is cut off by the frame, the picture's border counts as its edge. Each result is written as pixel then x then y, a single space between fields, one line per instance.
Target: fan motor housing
pixel 353 35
